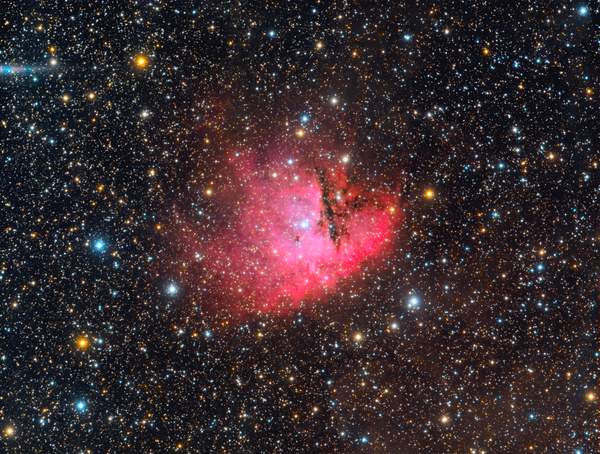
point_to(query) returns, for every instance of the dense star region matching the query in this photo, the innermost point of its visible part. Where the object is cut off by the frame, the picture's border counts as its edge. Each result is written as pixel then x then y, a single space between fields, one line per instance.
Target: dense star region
pixel 275 227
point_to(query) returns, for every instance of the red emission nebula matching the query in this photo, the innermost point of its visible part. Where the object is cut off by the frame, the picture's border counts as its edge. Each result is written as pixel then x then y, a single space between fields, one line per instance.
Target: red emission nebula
pixel 293 230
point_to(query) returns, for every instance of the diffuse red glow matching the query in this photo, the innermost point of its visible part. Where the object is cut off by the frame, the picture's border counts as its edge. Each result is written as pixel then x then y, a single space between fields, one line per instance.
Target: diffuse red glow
pixel 298 230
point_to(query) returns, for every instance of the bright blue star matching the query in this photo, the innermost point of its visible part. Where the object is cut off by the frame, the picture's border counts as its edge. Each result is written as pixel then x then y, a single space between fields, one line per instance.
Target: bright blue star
pixel 99 244
pixel 272 33
pixel 305 224
pixel 304 119
pixel 80 405
pixel 583 10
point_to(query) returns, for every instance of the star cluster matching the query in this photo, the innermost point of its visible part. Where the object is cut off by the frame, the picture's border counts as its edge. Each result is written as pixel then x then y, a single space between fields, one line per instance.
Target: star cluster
pixel 299 227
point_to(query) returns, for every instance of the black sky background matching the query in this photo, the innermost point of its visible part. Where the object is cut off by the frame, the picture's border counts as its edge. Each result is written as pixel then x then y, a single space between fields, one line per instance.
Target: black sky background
pixel 493 108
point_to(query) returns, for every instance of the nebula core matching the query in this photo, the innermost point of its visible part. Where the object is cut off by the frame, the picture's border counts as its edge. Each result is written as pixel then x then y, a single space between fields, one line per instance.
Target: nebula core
pixel 296 230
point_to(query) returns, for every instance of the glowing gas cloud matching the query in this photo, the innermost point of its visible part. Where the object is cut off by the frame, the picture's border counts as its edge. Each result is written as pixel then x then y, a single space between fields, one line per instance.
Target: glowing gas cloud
pixel 295 230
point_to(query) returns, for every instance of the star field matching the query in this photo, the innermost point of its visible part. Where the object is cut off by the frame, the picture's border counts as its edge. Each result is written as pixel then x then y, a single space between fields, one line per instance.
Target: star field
pixel 299 227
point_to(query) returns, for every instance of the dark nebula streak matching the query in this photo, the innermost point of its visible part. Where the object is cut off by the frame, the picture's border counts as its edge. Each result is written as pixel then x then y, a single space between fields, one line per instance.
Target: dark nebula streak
pixel 328 211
